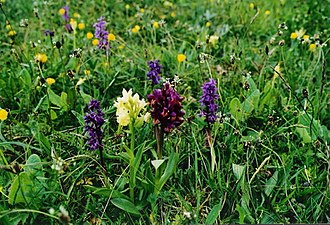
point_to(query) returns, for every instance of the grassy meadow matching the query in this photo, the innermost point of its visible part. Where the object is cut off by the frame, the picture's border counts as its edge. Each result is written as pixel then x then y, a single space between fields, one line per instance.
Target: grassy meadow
pixel 164 112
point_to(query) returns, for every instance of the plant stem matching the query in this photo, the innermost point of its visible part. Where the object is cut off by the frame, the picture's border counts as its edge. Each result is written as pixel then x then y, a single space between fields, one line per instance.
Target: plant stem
pixel 209 140
pixel 101 159
pixel 160 141
pixel 131 162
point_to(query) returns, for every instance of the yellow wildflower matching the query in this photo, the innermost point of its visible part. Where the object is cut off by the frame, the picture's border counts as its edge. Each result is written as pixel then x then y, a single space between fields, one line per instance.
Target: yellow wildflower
pixel 213 39
pixel 50 81
pixel 168 4
pixel 251 5
pixel 142 10
pixel 173 14
pixel 61 11
pixel 129 108
pixel 76 15
pixel 11 33
pixel 127 6
pixel 312 47
pixel 95 42
pixel 3 114
pixel 136 29
pixel 293 35
pixel 277 70
pixel 305 37
pixel 111 37
pixel 208 24
pixel 87 72
pixel 89 35
pixel 121 47
pixel 267 12
pixel 8 27
pixel 73 23
pixel 81 26
pixel 80 81
pixel 155 25
pixel 181 57
pixel 41 58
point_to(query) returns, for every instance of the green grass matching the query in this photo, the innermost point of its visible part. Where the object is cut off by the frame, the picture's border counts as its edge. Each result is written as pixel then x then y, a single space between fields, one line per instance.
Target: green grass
pixel 270 141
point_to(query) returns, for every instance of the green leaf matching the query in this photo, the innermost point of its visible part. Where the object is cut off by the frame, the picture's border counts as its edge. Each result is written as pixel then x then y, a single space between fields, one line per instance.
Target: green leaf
pixel 57 100
pixel 85 97
pixel 54 98
pixel 21 190
pixel 33 165
pixel 236 109
pixel 64 103
pixel 79 117
pixel 107 192
pixel 251 102
pixel 238 171
pixel 26 78
pixel 214 214
pixel 169 170
pixel 53 115
pixel 125 205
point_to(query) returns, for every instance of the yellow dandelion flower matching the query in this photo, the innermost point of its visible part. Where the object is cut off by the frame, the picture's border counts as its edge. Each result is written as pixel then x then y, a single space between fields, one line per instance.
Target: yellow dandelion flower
pixel 95 42
pixel 3 114
pixel 61 11
pixel 312 47
pixel 81 26
pixel 181 57
pixel 89 35
pixel 11 33
pixel 251 5
pixel 293 35
pixel 136 29
pixel 8 27
pixel 41 58
pixel 142 10
pixel 267 12
pixel 155 25
pixel 111 37
pixel 208 24
pixel 50 81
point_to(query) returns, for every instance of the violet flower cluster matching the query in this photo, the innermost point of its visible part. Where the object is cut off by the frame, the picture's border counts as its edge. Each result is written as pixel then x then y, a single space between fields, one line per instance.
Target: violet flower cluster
pixel 166 108
pixel 208 103
pixel 66 17
pixel 154 71
pixel 66 13
pixel 101 33
pixel 93 122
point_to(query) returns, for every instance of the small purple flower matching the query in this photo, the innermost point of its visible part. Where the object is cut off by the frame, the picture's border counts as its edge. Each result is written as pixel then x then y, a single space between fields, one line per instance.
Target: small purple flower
pixel 68 27
pixel 49 33
pixel 66 13
pixel 101 33
pixel 93 122
pixel 208 101
pixel 154 71
pixel 166 108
